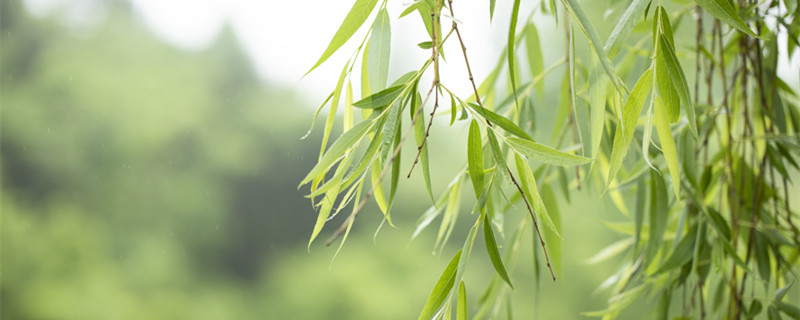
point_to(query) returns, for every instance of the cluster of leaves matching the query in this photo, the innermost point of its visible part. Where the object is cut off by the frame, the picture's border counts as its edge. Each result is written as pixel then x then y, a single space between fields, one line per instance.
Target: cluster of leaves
pixel 729 159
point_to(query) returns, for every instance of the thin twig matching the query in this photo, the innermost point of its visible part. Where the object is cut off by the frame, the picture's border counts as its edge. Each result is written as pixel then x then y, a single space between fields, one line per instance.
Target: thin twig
pixel 535 225
pixel 435 21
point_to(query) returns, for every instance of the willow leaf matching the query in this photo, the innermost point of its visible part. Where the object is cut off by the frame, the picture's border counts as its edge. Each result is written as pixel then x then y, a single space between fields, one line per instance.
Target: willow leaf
pixel 354 19
pixel 494 254
pixel 507 125
pixel 380 99
pixel 377 190
pixel 666 88
pixel 595 42
pixel 337 94
pixel 682 253
pixel 512 32
pixel 475 157
pixel 624 27
pixel 345 142
pixel 325 210
pixel 667 144
pixel 724 10
pixel 598 115
pixel 461 311
pixel 630 115
pixel 545 154
pixel 380 43
pixel 528 182
pixel 679 81
pixel 441 289
pixel 535 57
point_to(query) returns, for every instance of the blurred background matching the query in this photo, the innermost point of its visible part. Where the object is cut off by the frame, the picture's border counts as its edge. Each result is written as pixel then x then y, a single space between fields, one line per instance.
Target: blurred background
pixel 151 153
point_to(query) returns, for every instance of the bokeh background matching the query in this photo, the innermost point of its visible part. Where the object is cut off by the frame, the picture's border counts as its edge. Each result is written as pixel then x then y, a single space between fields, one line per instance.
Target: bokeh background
pixel 151 173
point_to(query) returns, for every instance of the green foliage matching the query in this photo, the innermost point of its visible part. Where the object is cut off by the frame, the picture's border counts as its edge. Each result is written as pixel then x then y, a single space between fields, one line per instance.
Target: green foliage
pixel 726 157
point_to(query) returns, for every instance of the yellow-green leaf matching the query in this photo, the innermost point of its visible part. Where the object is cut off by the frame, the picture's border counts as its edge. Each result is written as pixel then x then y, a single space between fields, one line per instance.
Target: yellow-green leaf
pixel 441 289
pixel 535 58
pixel 380 99
pixel 724 10
pixel 380 42
pixel 354 19
pixel 679 81
pixel 346 141
pixel 545 154
pixel 667 144
pixel 475 157
pixel 630 115
pixel 528 182
pixel 461 311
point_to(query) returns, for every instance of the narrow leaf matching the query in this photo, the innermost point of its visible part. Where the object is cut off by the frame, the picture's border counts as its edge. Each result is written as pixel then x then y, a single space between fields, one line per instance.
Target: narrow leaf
pixel 595 42
pixel 441 289
pixel 507 125
pixel 512 32
pixel 528 182
pixel 475 157
pixel 380 42
pixel 679 81
pixel 380 99
pixel 345 142
pixel 630 115
pixel 545 154
pixel 354 19
pixel 494 254
pixel 724 10
pixel 667 145
pixel 461 311
pixel 535 58
pixel 624 27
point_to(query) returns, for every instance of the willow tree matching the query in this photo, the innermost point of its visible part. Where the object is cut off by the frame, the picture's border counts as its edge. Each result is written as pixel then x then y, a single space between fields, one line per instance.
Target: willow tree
pixel 712 214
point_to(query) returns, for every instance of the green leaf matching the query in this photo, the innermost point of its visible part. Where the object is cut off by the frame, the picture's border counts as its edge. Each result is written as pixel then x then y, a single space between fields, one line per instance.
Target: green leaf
pixel 535 58
pixel 724 10
pixel 337 94
pixel 491 248
pixel 624 27
pixel 598 115
pixel 528 184
pixel 475 157
pixel 413 6
pixel 666 89
pixel 441 289
pixel 667 145
pixel 491 10
pixel 611 251
pixel 789 310
pixel 380 43
pixel 630 115
pixel 453 110
pixel 345 142
pixel 512 32
pixel 762 249
pixel 780 293
pixel 354 19
pixel 682 254
pixel 658 216
pixel 595 42
pixel 380 99
pixel 496 119
pixel 545 154
pixel 461 311
pixel 679 80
